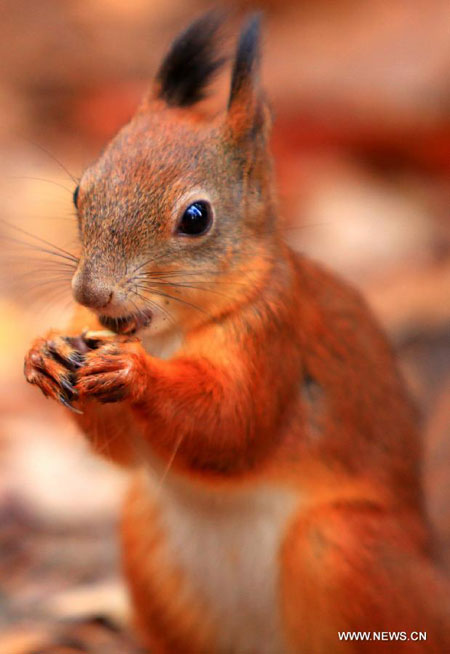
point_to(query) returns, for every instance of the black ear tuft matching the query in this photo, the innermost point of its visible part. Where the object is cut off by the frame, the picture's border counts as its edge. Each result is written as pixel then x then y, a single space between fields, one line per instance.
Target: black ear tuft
pixel 191 62
pixel 247 57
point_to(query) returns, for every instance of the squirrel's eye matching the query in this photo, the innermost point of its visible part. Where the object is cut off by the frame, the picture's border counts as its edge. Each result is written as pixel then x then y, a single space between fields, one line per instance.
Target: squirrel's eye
pixel 75 197
pixel 196 220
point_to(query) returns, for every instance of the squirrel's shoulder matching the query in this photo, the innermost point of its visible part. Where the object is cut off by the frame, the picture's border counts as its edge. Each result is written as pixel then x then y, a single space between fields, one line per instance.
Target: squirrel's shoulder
pixel 301 285
pixel 300 300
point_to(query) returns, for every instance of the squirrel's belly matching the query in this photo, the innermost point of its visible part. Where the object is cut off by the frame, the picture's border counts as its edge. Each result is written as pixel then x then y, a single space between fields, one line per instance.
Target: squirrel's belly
pixel 225 546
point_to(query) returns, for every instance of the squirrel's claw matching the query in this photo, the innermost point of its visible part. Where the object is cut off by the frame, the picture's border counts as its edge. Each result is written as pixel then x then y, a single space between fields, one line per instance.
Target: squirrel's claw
pixel 51 365
pixel 111 373
pixel 67 404
pixel 92 365
pixel 63 352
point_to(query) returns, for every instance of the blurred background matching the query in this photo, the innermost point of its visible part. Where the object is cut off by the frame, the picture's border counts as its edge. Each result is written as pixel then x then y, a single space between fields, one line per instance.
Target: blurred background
pixel 361 96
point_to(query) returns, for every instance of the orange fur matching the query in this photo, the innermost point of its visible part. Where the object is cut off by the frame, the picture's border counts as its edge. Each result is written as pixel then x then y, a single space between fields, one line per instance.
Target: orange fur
pixel 277 494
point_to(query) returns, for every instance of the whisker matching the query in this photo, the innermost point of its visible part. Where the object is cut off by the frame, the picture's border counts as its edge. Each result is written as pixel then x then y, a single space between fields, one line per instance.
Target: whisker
pixel 170 462
pixel 152 305
pixel 155 305
pixel 52 156
pixel 295 228
pixel 182 273
pixel 168 274
pixel 210 281
pixel 105 442
pixel 49 282
pixel 42 273
pixel 38 248
pixel 42 179
pixel 138 309
pixel 43 307
pixel 43 291
pixel 67 255
pixel 186 285
pixel 164 273
pixel 68 303
pixel 53 264
pixel 39 264
pixel 173 297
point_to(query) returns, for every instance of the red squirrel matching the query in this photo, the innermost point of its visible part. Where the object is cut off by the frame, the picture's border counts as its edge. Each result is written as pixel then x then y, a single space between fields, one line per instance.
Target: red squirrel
pixel 276 497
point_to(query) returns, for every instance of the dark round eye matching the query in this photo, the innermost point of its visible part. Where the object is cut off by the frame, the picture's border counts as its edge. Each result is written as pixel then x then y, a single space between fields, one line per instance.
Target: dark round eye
pixel 75 196
pixel 196 220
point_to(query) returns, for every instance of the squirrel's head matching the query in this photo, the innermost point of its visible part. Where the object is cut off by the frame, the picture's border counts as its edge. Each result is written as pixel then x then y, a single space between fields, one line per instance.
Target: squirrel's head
pixel 176 216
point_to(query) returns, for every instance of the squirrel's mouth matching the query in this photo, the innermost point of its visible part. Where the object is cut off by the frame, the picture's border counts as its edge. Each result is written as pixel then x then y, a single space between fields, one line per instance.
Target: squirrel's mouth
pixel 127 324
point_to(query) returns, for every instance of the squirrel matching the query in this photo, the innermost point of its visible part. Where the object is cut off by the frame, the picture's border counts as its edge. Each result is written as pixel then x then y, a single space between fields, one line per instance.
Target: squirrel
pixel 276 499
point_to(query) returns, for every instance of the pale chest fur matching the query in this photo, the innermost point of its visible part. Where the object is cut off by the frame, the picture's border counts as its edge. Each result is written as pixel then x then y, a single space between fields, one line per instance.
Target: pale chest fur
pixel 227 547
pixel 162 344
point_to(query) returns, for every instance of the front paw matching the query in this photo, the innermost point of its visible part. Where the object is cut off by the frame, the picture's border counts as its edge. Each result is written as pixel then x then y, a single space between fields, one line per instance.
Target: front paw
pixel 113 372
pixel 51 364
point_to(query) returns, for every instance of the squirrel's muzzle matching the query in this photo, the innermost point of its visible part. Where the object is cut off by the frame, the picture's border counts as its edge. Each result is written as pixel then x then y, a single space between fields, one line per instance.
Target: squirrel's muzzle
pixel 91 291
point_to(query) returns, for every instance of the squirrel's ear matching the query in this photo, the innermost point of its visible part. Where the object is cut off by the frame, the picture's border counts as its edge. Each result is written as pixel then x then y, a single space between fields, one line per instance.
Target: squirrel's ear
pixel 190 63
pixel 248 113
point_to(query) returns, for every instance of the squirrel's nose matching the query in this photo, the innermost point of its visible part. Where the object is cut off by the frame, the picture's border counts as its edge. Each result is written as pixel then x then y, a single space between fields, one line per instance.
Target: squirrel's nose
pixel 90 291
